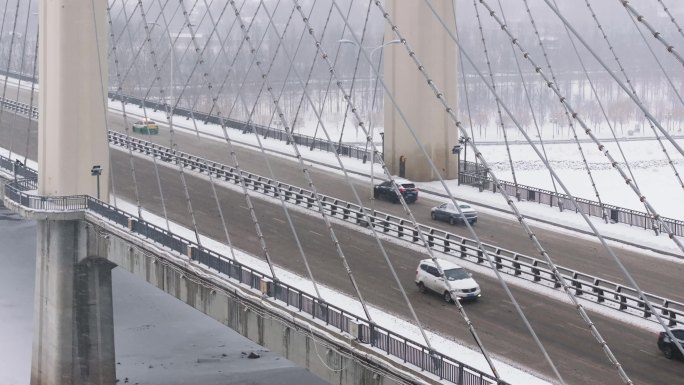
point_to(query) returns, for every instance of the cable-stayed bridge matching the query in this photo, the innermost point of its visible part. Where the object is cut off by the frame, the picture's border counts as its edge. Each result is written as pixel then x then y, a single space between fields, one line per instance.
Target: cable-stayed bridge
pixel 240 67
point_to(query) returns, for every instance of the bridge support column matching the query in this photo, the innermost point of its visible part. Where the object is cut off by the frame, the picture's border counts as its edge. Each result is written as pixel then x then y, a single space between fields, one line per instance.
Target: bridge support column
pixel 426 115
pixel 72 134
pixel 73 341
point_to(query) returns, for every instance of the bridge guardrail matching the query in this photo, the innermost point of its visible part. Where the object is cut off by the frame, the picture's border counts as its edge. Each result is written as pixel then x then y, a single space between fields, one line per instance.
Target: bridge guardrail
pixel 347 150
pixel 265 131
pixel 476 178
pixel 381 338
pixel 600 291
pixel 604 292
pixel 475 175
pixel 20 108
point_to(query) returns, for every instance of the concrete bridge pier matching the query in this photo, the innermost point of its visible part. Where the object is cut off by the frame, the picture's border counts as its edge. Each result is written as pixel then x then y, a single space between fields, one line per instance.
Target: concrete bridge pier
pixel 73 341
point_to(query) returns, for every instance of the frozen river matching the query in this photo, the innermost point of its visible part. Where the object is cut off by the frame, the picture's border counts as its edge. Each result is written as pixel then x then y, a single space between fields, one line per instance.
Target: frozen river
pixel 159 340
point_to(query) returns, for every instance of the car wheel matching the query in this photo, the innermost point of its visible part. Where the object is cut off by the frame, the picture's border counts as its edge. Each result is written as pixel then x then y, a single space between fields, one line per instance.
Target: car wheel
pixel 447 297
pixel 421 287
pixel 433 215
pixel 452 220
pixel 668 352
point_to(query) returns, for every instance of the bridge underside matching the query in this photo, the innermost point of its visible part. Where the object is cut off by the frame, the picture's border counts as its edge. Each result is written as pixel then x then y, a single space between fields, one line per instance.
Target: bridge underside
pixel 94 246
pixel 336 357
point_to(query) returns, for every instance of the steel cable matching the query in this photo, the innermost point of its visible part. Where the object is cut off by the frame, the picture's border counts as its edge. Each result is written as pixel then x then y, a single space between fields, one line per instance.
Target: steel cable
pixel 584 216
pixel 169 118
pixel 32 94
pixel 601 107
pixel 498 106
pixel 122 97
pixel 304 169
pixel 9 61
pixel 364 210
pixel 672 19
pixel 565 110
pixel 21 68
pixel 419 231
pixel 249 122
pixel 250 205
pixel 636 96
pixel 103 87
pixel 657 35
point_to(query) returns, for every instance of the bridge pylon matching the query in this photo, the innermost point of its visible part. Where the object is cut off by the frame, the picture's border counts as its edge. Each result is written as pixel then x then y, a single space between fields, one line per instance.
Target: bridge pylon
pixel 73 341
pixel 425 114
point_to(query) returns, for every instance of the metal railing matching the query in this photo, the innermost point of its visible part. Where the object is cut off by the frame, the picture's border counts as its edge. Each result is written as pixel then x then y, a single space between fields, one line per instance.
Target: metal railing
pixel 20 108
pixel 612 295
pixel 407 350
pixel 475 175
pixel 600 291
pixel 347 150
pixel 471 173
pixel 17 168
pixel 531 269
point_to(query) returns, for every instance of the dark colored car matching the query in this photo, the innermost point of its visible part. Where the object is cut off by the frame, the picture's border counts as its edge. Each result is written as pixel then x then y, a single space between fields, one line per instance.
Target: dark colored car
pixel 448 212
pixel 668 347
pixel 406 188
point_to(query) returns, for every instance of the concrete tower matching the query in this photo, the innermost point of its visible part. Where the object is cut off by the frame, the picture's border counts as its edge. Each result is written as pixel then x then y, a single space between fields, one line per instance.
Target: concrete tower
pixel 435 130
pixel 73 341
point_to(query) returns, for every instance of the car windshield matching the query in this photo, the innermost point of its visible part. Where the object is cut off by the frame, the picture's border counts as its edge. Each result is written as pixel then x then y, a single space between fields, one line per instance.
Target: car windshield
pixel 456 274
pixel 464 206
pixel 408 185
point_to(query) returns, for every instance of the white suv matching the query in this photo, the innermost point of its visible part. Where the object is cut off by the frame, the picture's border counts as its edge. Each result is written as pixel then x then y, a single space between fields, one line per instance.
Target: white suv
pixel 462 284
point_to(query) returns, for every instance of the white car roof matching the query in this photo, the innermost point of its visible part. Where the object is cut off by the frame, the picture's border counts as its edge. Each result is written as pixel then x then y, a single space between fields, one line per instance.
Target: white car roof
pixel 443 263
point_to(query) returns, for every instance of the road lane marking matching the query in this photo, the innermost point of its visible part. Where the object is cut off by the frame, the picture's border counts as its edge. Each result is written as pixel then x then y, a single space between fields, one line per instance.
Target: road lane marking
pixel 575 326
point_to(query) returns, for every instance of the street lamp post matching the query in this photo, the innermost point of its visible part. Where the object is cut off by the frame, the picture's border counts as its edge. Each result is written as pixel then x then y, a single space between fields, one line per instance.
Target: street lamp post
pixel 15 168
pixel 370 113
pixel 96 171
pixel 456 150
pixel 464 142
